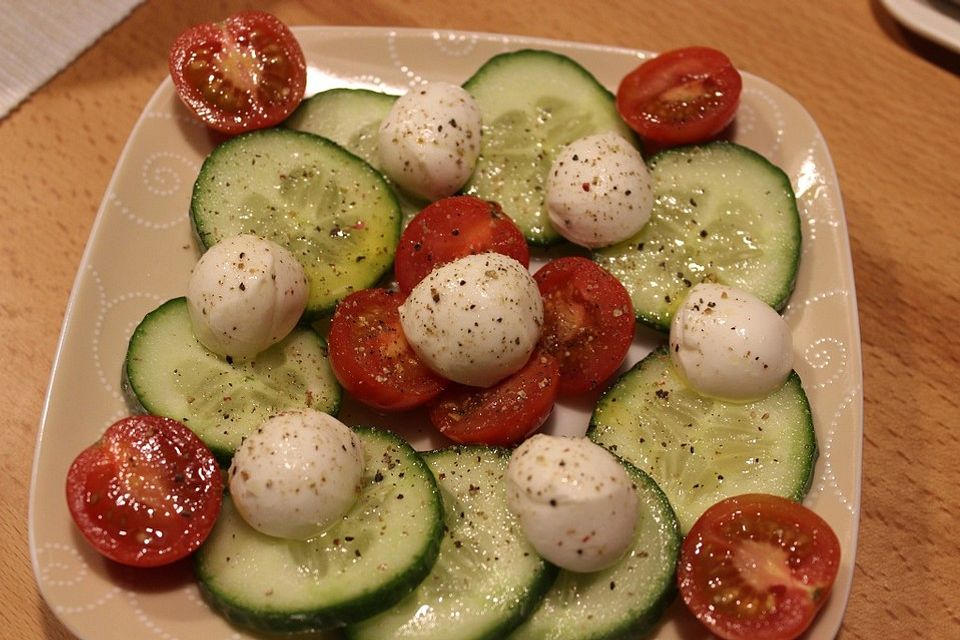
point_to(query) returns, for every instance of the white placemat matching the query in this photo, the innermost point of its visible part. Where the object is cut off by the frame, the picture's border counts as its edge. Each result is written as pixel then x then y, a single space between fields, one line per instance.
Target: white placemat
pixel 39 38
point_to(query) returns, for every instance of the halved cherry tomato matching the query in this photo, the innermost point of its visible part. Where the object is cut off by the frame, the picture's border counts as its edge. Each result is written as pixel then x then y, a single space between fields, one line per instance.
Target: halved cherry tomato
pixel 503 414
pixel 247 72
pixel 452 228
pixel 588 321
pixel 147 493
pixel 371 357
pixel 680 97
pixel 758 567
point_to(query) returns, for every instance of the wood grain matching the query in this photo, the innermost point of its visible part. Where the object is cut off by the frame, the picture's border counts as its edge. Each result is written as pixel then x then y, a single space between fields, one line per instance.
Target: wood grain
pixel 887 102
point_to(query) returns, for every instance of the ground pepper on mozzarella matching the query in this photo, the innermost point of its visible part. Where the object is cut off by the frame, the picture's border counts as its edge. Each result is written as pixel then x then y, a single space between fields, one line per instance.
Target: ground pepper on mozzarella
pixel 728 344
pixel 296 474
pixel 576 504
pixel 599 191
pixel 244 295
pixel 430 140
pixel 475 320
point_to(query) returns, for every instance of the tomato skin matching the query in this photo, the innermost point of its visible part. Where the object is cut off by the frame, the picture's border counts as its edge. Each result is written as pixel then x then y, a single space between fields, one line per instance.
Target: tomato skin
pixel 503 414
pixel 588 321
pixel 247 72
pixel 682 96
pixel 146 475
pixel 758 567
pixel 371 357
pixel 453 228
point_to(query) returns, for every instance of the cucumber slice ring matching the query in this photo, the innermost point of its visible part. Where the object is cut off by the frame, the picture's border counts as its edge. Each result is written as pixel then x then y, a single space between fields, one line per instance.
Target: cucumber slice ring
pixel 334 211
pixel 722 213
pixel 381 549
pixel 699 450
pixel 352 118
pixel 169 373
pixel 349 117
pixel 533 104
pixel 488 578
pixel 622 601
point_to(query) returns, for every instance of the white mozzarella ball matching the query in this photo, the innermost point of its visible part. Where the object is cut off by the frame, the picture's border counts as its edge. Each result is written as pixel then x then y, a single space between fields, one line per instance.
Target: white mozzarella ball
pixel 576 504
pixel 599 191
pixel 729 344
pixel 244 295
pixel 297 474
pixel 430 140
pixel 475 320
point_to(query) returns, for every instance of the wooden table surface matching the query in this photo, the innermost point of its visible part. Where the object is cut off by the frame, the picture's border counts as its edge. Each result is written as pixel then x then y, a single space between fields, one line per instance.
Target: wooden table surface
pixel 888 103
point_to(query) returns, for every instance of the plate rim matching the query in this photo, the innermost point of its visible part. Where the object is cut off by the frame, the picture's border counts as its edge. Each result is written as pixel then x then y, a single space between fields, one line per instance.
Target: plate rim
pixel 928 18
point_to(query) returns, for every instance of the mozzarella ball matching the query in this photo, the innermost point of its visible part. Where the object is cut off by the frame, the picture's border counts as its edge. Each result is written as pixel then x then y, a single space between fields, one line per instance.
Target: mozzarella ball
pixel 729 344
pixel 430 140
pixel 599 191
pixel 576 504
pixel 244 295
pixel 297 474
pixel 475 320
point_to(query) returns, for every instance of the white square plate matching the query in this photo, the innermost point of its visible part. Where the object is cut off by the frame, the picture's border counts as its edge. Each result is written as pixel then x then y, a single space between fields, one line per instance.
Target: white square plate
pixel 938 20
pixel 142 248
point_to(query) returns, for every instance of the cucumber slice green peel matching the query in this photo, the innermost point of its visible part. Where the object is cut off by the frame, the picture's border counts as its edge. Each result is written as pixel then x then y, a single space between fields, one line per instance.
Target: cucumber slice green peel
pixel 699 450
pixel 722 213
pixel 381 549
pixel 533 103
pixel 349 117
pixel 488 578
pixel 352 118
pixel 330 208
pixel 625 600
pixel 169 373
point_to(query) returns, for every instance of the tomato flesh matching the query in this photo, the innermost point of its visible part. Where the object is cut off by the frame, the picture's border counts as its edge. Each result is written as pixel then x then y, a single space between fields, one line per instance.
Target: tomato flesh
pixel 588 321
pixel 758 566
pixel 453 228
pixel 247 72
pixel 147 493
pixel 683 96
pixel 371 357
pixel 503 414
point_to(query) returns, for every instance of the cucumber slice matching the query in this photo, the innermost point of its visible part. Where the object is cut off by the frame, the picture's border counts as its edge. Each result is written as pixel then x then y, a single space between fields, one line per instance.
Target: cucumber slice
pixel 351 118
pixel 171 374
pixel 487 578
pixel 625 600
pixel 371 559
pixel 330 208
pixel 722 213
pixel 533 103
pixel 700 450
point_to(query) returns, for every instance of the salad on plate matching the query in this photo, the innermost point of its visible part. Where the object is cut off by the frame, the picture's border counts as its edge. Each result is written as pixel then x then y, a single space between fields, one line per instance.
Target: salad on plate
pixel 469 261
